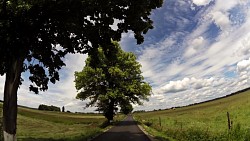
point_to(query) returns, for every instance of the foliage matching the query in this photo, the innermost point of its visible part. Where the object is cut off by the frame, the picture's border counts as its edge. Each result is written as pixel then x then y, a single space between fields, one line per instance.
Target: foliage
pixel 33 31
pixel 48 108
pixel 126 108
pixel 206 121
pixel 114 79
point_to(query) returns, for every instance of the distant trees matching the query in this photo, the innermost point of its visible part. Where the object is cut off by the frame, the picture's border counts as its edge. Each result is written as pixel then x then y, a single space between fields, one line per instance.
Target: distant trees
pixel 48 108
pixel 112 80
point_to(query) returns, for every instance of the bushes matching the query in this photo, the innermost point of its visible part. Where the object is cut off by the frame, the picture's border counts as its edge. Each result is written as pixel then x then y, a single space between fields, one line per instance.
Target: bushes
pixel 48 108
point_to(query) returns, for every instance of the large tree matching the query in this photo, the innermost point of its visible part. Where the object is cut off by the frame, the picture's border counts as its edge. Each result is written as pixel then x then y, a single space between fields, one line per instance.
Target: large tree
pixel 36 34
pixel 113 80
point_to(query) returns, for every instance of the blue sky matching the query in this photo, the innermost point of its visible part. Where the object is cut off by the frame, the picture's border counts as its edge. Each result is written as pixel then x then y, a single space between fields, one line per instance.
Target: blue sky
pixel 198 50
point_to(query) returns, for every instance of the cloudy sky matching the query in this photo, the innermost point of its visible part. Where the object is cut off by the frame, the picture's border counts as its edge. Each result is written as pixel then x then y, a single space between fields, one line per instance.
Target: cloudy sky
pixel 198 50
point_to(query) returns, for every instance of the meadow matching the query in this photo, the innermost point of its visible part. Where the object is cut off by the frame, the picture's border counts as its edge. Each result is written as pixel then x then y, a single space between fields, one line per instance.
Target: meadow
pixel 202 122
pixel 36 125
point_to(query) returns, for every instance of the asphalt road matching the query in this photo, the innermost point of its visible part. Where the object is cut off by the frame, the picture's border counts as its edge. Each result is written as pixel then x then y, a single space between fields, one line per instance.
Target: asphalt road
pixel 127 130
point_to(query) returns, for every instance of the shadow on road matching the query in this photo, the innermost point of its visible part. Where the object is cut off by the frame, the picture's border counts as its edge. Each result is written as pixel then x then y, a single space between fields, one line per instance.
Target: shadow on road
pixel 122 136
pixel 127 123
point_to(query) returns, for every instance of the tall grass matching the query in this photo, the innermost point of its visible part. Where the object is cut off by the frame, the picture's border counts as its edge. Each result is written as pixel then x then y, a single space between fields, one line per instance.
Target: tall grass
pixel 204 122
pixel 1 124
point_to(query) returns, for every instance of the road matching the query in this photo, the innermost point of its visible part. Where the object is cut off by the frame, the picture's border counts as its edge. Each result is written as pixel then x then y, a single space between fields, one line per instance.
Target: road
pixel 127 130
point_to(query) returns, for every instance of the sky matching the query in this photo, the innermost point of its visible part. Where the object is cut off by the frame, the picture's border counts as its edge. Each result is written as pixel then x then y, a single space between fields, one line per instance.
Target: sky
pixel 198 50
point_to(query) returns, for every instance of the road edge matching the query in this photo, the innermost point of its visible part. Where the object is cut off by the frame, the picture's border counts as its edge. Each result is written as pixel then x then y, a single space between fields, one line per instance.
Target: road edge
pixel 150 137
pixel 105 130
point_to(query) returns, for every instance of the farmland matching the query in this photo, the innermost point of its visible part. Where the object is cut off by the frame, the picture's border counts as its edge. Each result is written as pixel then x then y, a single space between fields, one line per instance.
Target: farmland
pixel 57 126
pixel 203 122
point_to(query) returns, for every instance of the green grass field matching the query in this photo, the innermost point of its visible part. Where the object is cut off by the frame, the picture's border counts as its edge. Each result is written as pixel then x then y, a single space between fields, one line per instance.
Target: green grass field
pixel 45 125
pixel 35 125
pixel 202 122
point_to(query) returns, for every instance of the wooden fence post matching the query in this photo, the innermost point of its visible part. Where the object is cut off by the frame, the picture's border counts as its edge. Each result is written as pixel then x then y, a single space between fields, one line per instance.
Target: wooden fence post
pixel 228 121
pixel 160 121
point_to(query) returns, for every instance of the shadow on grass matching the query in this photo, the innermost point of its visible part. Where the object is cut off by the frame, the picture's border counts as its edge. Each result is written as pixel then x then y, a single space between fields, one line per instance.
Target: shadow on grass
pixel 77 138
pixel 41 139
pixel 107 123
pixel 158 138
pixel 83 137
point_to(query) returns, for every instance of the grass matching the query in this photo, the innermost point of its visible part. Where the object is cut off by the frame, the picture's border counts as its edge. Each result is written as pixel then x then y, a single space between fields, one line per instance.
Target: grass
pixel 203 122
pixel 59 117
pixel 35 125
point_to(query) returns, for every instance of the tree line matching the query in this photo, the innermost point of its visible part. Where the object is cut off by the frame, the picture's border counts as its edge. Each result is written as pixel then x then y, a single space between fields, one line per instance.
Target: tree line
pixel 48 108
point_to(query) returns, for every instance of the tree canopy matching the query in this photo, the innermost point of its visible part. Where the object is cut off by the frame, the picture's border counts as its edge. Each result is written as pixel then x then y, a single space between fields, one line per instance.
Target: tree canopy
pixel 33 30
pixel 126 109
pixel 114 81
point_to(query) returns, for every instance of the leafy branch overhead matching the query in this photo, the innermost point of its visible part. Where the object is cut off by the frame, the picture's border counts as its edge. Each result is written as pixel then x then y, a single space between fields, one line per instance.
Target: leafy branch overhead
pixel 114 80
pixel 42 32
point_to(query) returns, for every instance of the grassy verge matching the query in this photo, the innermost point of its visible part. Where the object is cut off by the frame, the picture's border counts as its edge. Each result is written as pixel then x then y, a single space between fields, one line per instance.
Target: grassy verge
pixel 37 129
pixel 64 127
pixel 35 125
pixel 157 135
pixel 203 122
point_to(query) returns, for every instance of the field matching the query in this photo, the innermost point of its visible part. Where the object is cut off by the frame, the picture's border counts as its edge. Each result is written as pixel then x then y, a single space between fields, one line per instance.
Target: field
pixel 35 125
pixel 202 122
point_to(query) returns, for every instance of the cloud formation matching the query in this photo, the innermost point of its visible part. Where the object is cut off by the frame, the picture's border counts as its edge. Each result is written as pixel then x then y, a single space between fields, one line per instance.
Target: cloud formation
pixel 197 51
pixel 209 61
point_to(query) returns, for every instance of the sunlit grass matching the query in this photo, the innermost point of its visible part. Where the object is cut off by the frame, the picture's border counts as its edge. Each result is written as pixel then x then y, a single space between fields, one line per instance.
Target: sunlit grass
pixel 30 128
pixel 35 125
pixel 45 125
pixel 205 121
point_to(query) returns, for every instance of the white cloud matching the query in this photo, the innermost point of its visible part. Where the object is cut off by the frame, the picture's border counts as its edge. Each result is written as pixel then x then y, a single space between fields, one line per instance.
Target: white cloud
pixel 243 65
pixel 221 19
pixel 195 46
pixel 190 84
pixel 176 86
pixel 196 43
pixel 201 2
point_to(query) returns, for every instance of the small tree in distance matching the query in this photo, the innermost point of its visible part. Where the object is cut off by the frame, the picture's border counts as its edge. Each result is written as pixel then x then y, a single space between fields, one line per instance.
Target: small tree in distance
pixel 63 109
pixel 112 80
pixel 126 109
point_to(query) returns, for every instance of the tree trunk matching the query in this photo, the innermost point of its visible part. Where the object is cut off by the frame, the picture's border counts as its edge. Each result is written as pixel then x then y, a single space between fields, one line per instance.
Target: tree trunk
pixel 110 116
pixel 12 81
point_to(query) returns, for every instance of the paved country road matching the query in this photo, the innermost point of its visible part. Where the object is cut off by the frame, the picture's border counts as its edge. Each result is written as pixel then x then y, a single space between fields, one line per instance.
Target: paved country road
pixel 127 130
